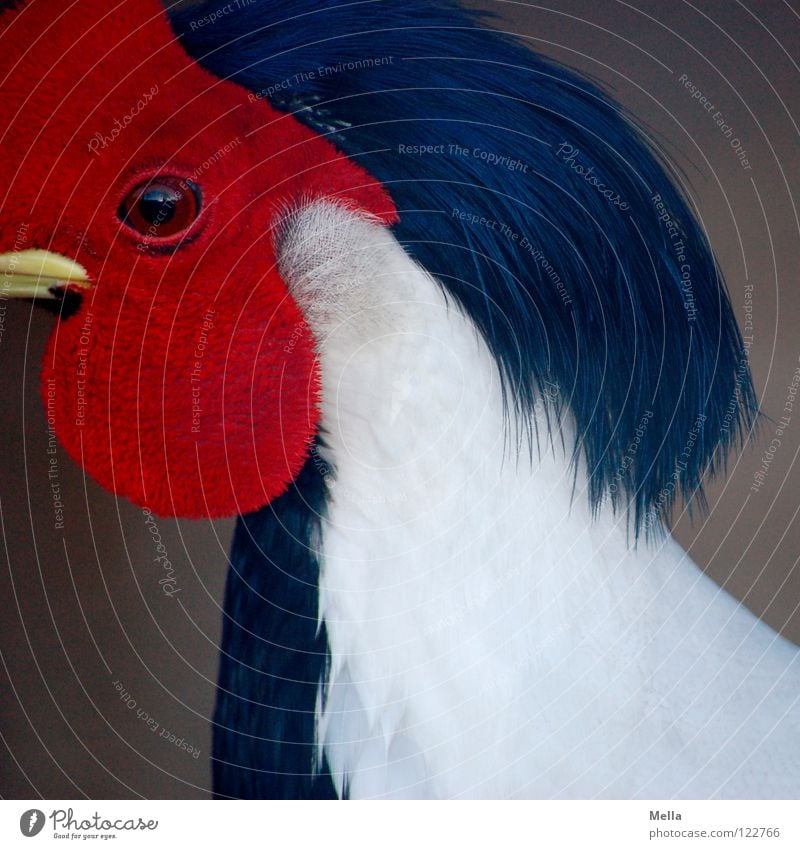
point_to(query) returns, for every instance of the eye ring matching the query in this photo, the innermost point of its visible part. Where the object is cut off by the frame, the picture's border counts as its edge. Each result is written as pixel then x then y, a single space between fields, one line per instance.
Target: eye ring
pixel 161 207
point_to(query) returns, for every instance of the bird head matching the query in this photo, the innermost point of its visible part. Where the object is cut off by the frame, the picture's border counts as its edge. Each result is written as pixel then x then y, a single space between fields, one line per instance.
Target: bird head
pixel 149 194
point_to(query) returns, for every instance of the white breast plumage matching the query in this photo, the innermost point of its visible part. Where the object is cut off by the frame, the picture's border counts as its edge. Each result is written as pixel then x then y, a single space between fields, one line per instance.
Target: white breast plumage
pixel 488 637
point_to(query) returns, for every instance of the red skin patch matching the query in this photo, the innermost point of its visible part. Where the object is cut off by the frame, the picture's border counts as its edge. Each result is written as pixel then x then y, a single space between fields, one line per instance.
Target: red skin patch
pixel 187 380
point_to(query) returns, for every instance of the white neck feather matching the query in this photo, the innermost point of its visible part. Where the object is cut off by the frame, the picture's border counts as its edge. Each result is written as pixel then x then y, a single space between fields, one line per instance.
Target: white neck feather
pixel 488 637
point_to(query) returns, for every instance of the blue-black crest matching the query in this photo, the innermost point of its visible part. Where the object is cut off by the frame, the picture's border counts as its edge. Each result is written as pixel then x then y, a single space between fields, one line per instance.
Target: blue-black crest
pixel 538 206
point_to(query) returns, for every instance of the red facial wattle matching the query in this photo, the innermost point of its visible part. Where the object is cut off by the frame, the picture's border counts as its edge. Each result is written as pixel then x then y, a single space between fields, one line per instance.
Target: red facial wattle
pixel 202 405
pixel 187 378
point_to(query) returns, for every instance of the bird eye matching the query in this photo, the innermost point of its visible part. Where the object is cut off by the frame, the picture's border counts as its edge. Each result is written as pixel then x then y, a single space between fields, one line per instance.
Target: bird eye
pixel 161 207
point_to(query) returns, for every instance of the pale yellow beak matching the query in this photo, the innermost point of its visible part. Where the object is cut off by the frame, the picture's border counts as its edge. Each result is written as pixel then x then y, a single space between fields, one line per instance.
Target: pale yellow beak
pixel 37 273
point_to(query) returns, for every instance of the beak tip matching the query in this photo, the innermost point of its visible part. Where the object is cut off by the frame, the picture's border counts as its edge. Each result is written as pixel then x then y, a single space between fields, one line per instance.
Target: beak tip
pixel 37 273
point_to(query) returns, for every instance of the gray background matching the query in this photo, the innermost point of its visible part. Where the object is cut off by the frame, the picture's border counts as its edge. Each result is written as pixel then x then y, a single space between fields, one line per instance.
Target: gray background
pixel 81 609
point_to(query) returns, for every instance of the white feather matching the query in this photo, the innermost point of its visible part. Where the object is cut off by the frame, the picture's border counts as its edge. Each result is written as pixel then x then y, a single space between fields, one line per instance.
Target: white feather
pixel 488 638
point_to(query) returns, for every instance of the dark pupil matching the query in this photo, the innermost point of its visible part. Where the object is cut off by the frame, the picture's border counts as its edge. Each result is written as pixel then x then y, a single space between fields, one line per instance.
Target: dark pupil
pixel 157 205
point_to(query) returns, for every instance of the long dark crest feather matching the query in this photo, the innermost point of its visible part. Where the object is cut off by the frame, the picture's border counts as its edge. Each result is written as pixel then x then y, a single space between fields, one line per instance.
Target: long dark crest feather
pixel 539 207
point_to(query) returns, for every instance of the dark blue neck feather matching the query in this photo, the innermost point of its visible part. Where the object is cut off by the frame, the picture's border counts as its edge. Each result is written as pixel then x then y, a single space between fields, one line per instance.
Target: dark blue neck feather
pixel 273 655
pixel 550 219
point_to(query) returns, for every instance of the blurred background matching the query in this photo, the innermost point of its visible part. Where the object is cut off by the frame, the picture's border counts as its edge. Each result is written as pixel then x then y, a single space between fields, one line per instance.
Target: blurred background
pixel 107 685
